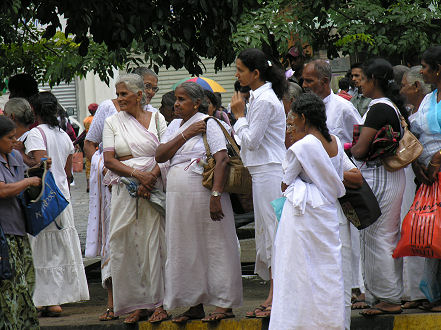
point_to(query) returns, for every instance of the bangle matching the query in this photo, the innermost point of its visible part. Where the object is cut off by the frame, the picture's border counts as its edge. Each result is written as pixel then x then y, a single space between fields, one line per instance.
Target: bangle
pixel 182 134
pixel 131 174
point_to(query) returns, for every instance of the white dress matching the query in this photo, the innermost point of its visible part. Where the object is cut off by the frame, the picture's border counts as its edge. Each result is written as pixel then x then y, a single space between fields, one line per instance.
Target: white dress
pixel 59 269
pixel 203 264
pixel 307 269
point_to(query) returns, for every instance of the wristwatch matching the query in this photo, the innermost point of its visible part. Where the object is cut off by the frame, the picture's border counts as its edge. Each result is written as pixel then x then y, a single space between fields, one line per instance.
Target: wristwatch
pixel 216 193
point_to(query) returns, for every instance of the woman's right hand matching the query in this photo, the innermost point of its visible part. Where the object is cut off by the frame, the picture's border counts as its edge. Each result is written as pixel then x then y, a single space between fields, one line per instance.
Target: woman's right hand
pixel 34 181
pixel 195 129
pixel 147 179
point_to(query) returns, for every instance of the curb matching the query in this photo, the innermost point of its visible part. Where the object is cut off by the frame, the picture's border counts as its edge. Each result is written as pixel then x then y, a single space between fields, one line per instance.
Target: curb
pixel 239 324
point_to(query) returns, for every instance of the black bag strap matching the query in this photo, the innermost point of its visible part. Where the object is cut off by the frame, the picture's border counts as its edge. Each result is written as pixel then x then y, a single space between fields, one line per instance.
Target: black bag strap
pixel 226 134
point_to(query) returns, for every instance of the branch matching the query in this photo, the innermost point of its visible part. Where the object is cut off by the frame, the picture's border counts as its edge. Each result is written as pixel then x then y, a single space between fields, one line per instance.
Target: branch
pixel 349 18
pixel 37 38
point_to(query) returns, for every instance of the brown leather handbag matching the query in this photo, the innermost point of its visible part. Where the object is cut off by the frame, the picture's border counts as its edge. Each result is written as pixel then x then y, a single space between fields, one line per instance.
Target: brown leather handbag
pixel 409 149
pixel 238 179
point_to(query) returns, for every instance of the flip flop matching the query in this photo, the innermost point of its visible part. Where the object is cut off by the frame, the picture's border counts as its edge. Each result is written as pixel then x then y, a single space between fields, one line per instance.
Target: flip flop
pixel 222 315
pixel 252 314
pixel 413 304
pixel 141 316
pixel 188 317
pixel 265 314
pixel 162 312
pixel 361 304
pixel 108 315
pixel 381 312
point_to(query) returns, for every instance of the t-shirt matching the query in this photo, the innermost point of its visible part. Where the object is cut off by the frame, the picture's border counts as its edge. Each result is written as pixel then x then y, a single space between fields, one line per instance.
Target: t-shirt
pixel 11 213
pixel 381 114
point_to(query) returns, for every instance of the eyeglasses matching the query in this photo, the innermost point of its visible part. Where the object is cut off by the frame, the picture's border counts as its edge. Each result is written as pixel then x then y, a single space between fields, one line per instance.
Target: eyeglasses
pixel 155 89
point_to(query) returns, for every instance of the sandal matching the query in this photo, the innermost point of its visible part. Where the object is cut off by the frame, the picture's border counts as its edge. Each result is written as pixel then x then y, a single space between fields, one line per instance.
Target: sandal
pixel 379 311
pixel 218 316
pixel 359 304
pixel 188 315
pixel 138 315
pixel 413 304
pixel 252 314
pixel 46 311
pixel 108 315
pixel 265 314
pixel 159 315
pixel 434 307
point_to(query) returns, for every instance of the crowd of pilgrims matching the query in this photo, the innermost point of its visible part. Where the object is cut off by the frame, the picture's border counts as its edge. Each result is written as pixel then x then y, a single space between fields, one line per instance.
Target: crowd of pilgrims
pixel 291 129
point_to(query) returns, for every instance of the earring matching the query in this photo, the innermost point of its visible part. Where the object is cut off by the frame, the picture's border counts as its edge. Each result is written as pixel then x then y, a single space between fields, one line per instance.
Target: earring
pixel 195 107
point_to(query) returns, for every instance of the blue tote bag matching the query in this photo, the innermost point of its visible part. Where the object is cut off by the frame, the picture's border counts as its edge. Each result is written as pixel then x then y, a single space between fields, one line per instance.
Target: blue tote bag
pixel 48 205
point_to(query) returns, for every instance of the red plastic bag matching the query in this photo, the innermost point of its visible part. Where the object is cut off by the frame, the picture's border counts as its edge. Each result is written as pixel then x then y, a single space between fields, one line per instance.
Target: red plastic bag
pixel 421 228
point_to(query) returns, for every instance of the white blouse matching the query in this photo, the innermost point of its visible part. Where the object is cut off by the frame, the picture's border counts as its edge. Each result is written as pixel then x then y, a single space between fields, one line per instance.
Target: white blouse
pixel 262 131
pixel 215 138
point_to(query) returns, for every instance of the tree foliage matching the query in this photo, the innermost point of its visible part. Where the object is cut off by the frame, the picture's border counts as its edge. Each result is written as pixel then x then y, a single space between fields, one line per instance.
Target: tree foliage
pixel 393 29
pixel 102 34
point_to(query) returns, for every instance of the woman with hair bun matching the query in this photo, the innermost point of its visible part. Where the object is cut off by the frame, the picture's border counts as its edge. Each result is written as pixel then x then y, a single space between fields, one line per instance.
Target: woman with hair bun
pixel 262 135
pixel 382 273
pixel 307 249
pixel 203 264
pixel 59 269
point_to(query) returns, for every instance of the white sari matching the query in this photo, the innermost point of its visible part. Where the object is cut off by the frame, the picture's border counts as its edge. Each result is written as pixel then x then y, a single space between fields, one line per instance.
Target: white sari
pixel 203 264
pixel 307 269
pixel 137 243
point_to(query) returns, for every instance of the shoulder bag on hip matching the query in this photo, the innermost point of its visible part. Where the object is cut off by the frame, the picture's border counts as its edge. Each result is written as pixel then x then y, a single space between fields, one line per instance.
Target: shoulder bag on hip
pixel 238 179
pixel 409 149
pixel 5 265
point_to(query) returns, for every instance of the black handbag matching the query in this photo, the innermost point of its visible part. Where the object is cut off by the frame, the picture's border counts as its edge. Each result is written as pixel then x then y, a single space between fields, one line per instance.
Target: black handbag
pixel 5 266
pixel 360 206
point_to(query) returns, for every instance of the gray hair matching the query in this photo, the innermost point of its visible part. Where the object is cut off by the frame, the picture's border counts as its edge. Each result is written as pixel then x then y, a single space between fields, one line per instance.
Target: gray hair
pixel 323 69
pixel 293 91
pixel 143 71
pixel 21 109
pixel 399 71
pixel 134 83
pixel 413 75
pixel 195 92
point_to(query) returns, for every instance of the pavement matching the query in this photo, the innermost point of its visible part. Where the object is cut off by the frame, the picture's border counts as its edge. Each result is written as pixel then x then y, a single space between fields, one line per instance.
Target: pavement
pixel 84 315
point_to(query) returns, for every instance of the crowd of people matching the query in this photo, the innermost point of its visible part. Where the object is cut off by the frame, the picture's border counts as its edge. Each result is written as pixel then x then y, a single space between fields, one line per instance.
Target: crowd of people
pixel 166 241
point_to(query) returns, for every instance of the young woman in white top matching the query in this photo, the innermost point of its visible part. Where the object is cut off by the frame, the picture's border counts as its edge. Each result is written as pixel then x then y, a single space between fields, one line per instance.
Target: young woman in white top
pixel 262 135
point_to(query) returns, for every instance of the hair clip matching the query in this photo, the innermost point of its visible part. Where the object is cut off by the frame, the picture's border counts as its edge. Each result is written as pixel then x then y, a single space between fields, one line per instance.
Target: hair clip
pixel 269 63
pixel 390 82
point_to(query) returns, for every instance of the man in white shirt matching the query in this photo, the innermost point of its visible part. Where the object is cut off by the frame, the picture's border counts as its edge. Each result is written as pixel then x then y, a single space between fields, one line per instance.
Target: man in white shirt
pixel 341 114
pixel 341 118
pixel 360 102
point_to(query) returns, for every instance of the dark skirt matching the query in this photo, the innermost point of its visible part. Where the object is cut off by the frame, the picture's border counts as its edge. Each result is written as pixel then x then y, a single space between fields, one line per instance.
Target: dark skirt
pixel 17 311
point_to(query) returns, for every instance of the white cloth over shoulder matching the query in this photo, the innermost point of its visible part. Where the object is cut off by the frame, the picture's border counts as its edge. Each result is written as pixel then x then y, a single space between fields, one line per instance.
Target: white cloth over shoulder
pixel 307 250
pixel 105 110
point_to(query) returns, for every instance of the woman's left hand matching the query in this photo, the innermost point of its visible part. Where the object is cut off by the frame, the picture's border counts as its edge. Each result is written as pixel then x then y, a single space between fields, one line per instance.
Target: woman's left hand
pixel 147 179
pixel 237 105
pixel 216 208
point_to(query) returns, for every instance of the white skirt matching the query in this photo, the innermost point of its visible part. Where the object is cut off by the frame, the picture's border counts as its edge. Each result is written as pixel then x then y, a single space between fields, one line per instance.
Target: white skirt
pixel 307 273
pixel 203 264
pixel 59 270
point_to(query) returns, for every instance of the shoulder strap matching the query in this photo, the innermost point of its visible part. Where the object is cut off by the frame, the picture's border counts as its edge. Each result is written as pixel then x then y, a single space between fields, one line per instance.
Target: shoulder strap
pixel 157 125
pixel 226 134
pixel 44 138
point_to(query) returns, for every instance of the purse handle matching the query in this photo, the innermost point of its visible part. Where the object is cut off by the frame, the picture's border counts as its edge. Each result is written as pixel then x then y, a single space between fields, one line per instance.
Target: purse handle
pixel 226 134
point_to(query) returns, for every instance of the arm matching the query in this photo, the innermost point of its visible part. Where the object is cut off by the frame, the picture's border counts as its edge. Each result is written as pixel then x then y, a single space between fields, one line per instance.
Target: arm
pixel 434 166
pixel 219 177
pixel 68 169
pixel 147 179
pixel 89 148
pixel 361 148
pixel 13 189
pixel 29 161
pixel 352 179
pixel 251 133
pixel 166 151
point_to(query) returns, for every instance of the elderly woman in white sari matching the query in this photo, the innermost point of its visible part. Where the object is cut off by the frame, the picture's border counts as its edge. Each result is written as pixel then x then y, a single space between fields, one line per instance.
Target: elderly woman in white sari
pixel 307 249
pixel 137 241
pixel 203 265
